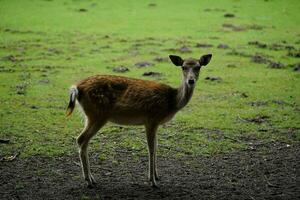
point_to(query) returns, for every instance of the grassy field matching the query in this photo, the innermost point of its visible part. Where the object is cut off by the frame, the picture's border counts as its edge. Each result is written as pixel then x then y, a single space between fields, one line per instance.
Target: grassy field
pixel 248 95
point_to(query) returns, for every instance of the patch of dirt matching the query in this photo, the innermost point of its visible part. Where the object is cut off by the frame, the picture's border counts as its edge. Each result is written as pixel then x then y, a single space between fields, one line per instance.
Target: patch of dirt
pixel 258 103
pixel 242 27
pixel 143 64
pixel 203 45
pixel 234 27
pixel 268 171
pixel 82 10
pixel 214 10
pixel 214 37
pixel 265 103
pixel 184 49
pixel 11 58
pixel 296 67
pixel 258 44
pixel 21 88
pixel 44 81
pixel 295 54
pixel 106 37
pixel 34 107
pixel 259 58
pixel 255 27
pixel 161 59
pixel 274 46
pixel 238 53
pixel 213 78
pixel 54 51
pixel 240 94
pixel 276 65
pixel 229 15
pixel 152 74
pixel 8 70
pixel 231 66
pixel 152 5
pixel 23 31
pixel 120 69
pixel 258 119
pixel 223 46
pixel 105 47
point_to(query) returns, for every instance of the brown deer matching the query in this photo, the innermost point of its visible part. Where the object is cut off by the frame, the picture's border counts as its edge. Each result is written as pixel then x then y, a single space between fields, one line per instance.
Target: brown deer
pixel 129 101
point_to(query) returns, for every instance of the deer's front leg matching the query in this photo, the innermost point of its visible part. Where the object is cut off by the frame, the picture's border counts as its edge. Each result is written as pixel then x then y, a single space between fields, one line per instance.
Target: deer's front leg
pixel 151 140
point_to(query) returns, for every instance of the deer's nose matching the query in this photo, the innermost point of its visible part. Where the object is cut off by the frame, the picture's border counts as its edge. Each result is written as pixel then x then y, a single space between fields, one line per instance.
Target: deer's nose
pixel 191 81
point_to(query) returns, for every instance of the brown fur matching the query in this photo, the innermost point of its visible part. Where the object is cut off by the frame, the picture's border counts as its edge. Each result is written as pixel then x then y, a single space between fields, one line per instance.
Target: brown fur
pixel 114 95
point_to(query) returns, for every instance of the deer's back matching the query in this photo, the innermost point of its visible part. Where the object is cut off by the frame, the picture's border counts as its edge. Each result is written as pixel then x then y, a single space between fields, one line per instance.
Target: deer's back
pixel 120 97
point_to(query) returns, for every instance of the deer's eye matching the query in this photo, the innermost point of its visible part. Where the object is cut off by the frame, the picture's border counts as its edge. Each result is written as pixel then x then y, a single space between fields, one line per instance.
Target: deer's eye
pixel 197 68
pixel 184 68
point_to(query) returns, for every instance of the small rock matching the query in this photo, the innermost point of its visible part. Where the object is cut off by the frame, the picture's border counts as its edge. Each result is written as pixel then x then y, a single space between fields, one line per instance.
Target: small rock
pixel 143 64
pixel 153 74
pixel 120 69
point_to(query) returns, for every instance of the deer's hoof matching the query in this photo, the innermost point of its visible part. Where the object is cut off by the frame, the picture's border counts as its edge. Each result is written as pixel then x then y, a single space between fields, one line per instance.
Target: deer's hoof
pixel 93 180
pixel 154 185
pixel 90 182
pixel 90 186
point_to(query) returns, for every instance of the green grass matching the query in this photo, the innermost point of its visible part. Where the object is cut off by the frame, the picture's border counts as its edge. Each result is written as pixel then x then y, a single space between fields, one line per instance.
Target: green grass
pixel 52 45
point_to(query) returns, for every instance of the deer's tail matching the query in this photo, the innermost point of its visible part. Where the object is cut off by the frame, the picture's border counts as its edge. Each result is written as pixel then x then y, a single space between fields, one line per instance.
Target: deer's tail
pixel 73 97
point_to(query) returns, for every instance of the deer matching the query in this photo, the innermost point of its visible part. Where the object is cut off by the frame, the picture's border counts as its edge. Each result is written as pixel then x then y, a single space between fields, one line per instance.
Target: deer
pixel 129 101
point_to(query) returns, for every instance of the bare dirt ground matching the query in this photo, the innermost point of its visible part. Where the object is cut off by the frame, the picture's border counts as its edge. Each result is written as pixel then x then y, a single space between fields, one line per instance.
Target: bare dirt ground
pixel 269 171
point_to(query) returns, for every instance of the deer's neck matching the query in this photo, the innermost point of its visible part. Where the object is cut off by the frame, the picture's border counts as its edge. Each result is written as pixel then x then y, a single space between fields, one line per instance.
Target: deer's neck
pixel 184 94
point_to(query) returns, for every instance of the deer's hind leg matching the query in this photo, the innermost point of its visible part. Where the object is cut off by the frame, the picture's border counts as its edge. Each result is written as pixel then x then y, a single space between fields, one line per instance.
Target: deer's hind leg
pixel 91 128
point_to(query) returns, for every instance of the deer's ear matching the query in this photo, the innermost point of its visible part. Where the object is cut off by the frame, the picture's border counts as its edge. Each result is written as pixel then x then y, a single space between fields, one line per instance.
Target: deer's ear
pixel 205 59
pixel 176 60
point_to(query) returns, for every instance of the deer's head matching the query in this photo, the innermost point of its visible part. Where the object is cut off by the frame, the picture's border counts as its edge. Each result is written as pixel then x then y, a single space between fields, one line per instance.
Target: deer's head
pixel 191 67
